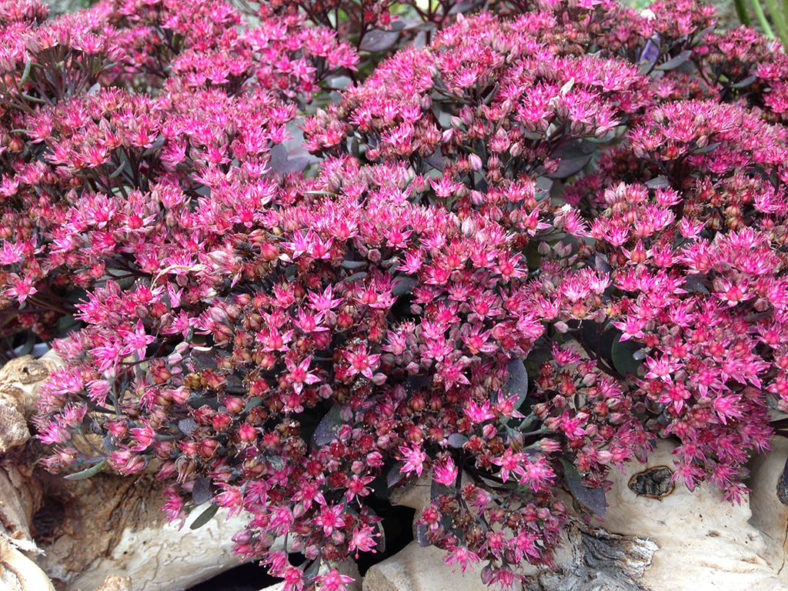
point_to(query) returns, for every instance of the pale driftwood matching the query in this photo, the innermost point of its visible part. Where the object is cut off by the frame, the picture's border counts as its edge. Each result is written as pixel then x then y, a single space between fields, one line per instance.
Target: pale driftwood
pixel 18 572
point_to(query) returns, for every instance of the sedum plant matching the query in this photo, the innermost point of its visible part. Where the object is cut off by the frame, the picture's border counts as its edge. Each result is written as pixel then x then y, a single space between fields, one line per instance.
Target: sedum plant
pixel 528 239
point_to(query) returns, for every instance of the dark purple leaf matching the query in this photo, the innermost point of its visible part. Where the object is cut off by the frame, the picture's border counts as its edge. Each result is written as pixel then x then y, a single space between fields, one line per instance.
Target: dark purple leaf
pixel 402 285
pixel 380 539
pixel 572 158
pixel 356 277
pixel 379 40
pixel 202 491
pixel 421 535
pixel 543 187
pixel 338 82
pixel 696 283
pixel 326 429
pixel 312 570
pixel 703 32
pixel 658 182
pixel 676 61
pixel 436 161
pixel 65 324
pixel 187 426
pixel 487 575
pixel 746 82
pixel 782 485
pixel 253 401
pixel 465 6
pixel 456 440
pixel 291 156
pixel 516 383
pixel 278 161
pixel 516 379
pixel 569 166
pixel 650 52
pixel 623 355
pixel 394 476
pixel 707 148
pixel 437 490
pixel 298 163
pixel 406 23
pixel 601 264
pixel 593 499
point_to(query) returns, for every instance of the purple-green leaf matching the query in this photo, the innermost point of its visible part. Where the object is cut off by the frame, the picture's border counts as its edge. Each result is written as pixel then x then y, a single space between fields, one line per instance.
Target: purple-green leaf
pixel 202 492
pixel 593 499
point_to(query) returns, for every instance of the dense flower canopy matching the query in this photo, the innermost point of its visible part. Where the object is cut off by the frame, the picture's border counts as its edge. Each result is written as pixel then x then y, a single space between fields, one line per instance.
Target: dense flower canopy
pixel 296 259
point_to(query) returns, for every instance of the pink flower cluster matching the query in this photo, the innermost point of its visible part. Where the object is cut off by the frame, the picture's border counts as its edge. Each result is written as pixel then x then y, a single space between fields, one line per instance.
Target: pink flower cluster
pixel 523 247
pixel 376 27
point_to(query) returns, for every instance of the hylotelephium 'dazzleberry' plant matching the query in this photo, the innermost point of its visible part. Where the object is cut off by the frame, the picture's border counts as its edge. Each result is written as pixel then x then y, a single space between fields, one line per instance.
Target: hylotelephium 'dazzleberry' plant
pixel 531 238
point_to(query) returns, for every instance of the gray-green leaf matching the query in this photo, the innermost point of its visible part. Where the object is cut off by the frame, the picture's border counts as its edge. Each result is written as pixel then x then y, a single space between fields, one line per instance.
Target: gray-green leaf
pixel 204 517
pixel 87 472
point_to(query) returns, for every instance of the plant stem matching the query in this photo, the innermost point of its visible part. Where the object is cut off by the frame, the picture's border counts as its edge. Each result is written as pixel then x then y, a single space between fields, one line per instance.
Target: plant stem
pixel 767 30
pixel 778 18
pixel 741 12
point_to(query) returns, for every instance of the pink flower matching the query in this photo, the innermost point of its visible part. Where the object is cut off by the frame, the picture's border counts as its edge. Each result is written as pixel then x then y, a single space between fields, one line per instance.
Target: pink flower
pixel 299 374
pixel 11 253
pixel 675 395
pixel 333 581
pixel 21 288
pixel 727 407
pixel 362 539
pixel 330 518
pixel 445 472
pixel 231 497
pixel 137 341
pixel 479 413
pixel 361 361
pixel 509 462
pixel 462 557
pixel 414 458
pixel 144 436
pixel 173 506
pixel 536 475
pixel 325 301
pixel 293 579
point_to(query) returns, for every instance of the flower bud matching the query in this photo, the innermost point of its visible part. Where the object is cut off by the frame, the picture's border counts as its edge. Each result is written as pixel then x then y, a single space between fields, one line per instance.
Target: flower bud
pixel 234 404
pixel 247 433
